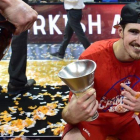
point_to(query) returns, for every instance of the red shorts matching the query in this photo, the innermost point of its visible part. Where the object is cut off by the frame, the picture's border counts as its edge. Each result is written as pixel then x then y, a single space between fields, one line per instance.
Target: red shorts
pixel 122 126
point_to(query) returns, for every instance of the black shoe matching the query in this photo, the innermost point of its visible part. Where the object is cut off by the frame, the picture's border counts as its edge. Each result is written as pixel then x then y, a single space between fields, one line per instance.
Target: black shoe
pixel 57 55
pixel 13 90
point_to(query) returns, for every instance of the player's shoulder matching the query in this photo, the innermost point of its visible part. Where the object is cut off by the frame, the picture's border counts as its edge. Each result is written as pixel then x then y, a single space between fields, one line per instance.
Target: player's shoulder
pixel 103 43
pixel 98 47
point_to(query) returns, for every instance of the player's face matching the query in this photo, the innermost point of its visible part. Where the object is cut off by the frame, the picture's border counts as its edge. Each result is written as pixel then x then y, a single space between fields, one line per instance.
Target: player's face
pixel 131 40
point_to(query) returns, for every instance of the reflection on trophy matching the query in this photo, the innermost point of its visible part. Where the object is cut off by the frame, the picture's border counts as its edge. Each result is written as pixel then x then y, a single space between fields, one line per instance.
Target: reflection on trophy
pixel 79 77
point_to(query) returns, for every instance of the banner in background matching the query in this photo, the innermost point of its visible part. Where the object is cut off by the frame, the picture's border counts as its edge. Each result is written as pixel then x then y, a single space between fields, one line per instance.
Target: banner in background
pixel 97 22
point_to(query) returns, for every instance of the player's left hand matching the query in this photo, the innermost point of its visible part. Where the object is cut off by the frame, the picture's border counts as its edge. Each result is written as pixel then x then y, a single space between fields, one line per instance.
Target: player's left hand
pixel 132 98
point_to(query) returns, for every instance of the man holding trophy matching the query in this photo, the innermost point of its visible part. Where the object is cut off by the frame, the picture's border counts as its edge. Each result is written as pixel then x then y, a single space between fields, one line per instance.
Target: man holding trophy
pixel 114 94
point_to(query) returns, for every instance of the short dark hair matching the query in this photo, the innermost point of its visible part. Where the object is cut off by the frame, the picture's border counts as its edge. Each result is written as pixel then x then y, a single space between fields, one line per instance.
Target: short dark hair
pixel 123 26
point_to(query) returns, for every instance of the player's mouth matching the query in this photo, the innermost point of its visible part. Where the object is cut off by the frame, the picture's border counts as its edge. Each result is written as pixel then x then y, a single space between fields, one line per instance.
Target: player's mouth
pixel 137 48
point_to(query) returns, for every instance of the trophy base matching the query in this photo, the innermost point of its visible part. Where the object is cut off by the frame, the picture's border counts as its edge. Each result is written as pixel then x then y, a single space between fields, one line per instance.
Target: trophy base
pixel 96 115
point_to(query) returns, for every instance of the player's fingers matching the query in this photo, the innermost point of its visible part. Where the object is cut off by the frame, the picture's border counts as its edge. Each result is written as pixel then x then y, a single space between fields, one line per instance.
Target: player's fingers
pixel 128 96
pixel 127 88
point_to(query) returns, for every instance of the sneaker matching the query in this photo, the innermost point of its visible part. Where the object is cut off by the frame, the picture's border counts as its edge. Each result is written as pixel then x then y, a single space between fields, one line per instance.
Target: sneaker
pixel 13 90
pixel 57 55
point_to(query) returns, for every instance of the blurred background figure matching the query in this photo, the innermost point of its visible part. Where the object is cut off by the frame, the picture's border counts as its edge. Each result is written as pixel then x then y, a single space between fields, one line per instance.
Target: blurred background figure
pixel 17 67
pixel 74 15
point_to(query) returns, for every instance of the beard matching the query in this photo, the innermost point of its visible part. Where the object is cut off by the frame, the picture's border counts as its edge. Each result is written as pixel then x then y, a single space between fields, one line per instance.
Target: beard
pixel 135 56
pixel 133 51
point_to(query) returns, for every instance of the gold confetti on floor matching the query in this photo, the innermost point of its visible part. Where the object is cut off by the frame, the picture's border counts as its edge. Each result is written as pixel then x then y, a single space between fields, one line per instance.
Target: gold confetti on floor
pixel 43 71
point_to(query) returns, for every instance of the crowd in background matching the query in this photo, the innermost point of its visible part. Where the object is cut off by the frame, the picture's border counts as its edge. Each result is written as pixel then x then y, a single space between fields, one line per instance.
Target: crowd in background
pixel 57 1
pixel 43 1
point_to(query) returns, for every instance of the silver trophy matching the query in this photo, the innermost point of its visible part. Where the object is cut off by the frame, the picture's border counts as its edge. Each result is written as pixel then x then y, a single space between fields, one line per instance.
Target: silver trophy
pixel 79 77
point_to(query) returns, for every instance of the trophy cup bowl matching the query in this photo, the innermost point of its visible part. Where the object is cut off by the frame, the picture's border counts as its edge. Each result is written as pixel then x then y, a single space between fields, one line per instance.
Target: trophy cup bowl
pixel 79 77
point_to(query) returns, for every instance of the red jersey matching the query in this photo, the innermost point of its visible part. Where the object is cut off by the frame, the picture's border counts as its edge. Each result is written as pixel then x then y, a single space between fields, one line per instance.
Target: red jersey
pixel 109 74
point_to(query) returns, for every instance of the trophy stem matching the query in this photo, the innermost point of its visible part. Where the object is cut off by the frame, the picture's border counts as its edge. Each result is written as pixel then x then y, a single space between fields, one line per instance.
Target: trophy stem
pixel 78 94
pixel 95 116
pixel 81 91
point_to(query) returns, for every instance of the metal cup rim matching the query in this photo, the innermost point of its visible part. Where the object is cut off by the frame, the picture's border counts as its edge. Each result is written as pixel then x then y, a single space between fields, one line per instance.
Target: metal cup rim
pixel 74 62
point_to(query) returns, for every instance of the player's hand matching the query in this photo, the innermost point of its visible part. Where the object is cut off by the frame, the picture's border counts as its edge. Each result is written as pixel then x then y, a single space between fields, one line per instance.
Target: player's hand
pixel 20 14
pixel 81 108
pixel 132 98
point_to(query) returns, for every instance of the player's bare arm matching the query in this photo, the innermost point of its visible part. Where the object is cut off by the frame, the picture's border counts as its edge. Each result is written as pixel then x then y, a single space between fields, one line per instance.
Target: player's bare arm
pixel 20 14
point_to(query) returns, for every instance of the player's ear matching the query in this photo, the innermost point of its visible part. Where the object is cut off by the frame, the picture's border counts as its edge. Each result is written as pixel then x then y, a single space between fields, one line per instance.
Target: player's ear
pixel 120 32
